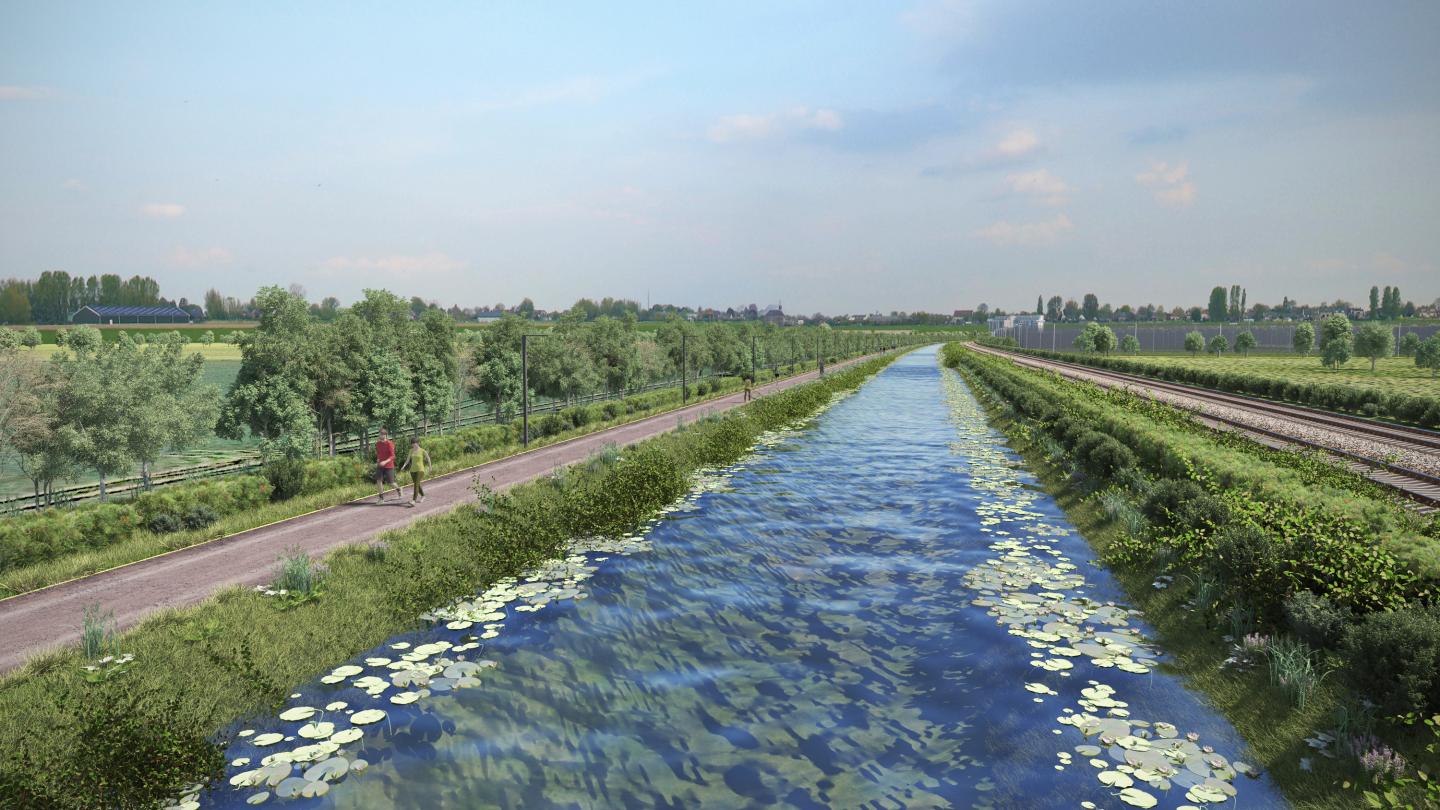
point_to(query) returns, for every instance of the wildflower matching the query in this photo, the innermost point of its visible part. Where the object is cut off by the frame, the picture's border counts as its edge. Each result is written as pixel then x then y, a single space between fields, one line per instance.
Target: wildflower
pixel 1382 763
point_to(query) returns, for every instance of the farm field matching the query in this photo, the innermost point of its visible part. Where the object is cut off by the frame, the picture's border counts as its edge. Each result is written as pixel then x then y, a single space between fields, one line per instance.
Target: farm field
pixel 1391 373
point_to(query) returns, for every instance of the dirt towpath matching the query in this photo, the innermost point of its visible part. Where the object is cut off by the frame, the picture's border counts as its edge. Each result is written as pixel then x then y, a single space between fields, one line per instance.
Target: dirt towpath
pixel 51 617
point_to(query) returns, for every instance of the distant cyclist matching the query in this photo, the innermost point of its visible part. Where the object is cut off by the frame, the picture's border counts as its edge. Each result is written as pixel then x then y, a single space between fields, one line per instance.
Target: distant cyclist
pixel 418 462
pixel 385 466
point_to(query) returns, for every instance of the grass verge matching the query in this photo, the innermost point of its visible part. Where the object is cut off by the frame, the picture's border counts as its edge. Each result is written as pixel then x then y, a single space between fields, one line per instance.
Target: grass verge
pixel 144 544
pixel 134 730
pixel 1264 714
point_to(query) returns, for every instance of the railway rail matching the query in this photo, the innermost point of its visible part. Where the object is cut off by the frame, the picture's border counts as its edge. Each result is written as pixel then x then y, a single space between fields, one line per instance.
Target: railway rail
pixel 1417 485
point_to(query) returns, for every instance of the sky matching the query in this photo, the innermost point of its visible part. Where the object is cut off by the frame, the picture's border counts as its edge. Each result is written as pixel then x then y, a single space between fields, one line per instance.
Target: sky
pixel 830 156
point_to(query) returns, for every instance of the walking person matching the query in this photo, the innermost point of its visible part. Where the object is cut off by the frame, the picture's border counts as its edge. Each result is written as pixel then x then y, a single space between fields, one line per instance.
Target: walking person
pixel 748 385
pixel 385 467
pixel 418 462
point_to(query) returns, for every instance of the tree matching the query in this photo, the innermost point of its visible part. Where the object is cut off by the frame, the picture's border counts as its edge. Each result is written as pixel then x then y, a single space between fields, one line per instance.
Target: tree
pixel 214 304
pixel 1335 341
pixel 1055 309
pixel 612 343
pixel 1091 308
pixel 1218 345
pixel 14 303
pixel 270 396
pixel 1196 314
pixel 1194 343
pixel 1218 306
pixel 207 337
pixel 496 362
pixel 1234 308
pixel 9 342
pixel 1374 341
pixel 1303 338
pixel 430 355
pixel 1039 305
pixel 525 309
pixel 1105 340
pixel 1071 310
pixel 1375 302
pixel 95 406
pixel 1244 342
pixel 337 352
pixel 172 407
pixel 1409 342
pixel 1428 354
pixel 30 337
pixel 1129 344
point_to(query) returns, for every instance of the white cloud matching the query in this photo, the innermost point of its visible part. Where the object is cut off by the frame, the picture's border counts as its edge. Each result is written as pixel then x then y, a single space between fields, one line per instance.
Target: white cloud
pixel 1040 185
pixel 1162 173
pixel 182 256
pixel 750 127
pixel 15 92
pixel 1181 195
pixel 397 265
pixel 162 210
pixel 1170 183
pixel 1026 233
pixel 1018 143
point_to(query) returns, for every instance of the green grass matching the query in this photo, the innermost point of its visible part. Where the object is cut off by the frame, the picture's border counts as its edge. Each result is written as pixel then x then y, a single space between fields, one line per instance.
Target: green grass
pixel 67 741
pixel 1391 373
pixel 1263 713
pixel 144 544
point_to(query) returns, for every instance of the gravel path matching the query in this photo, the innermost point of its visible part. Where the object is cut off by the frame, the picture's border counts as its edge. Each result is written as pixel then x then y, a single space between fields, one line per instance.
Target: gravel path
pixel 1359 444
pixel 51 617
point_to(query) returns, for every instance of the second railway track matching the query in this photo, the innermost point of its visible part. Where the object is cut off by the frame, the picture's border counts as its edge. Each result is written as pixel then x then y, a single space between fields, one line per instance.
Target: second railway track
pixel 1417 485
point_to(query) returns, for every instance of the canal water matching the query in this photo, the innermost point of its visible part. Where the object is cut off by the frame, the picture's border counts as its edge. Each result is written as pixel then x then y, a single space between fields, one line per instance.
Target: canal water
pixel 877 609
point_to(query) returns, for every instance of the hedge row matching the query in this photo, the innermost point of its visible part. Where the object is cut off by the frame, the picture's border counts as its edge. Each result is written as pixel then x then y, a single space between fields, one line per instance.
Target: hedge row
pixel 1373 536
pixel 1289 566
pixel 1418 410
pixel 40 536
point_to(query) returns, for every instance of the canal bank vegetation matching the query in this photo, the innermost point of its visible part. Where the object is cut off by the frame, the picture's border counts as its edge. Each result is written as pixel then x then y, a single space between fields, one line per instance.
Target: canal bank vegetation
pixel 43 548
pixel 143 720
pixel 1403 391
pixel 1299 597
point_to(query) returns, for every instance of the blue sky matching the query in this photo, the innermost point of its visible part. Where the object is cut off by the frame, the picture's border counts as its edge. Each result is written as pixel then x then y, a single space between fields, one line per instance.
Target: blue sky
pixel 836 156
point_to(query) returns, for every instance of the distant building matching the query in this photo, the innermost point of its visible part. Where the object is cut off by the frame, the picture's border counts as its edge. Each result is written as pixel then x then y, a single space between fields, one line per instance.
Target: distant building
pixel 108 315
pixel 774 314
pixel 489 315
pixel 1001 323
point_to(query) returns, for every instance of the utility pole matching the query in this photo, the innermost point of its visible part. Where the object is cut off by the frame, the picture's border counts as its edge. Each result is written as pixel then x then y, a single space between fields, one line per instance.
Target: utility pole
pixel 752 359
pixel 684 391
pixel 525 387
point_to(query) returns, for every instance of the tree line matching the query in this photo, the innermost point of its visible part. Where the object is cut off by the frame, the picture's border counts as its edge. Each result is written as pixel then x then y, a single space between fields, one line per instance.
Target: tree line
pixel 305 384
pixel 1224 306
pixel 56 295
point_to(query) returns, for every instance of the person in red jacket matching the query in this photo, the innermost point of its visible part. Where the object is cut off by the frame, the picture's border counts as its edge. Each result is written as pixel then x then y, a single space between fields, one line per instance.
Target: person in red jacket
pixel 385 467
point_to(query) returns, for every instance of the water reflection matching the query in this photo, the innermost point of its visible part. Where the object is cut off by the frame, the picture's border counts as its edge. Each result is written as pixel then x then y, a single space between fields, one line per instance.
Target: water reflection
pixel 831 624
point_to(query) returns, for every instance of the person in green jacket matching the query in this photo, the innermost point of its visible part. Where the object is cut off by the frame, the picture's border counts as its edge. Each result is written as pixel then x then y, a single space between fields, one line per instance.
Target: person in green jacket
pixel 417 462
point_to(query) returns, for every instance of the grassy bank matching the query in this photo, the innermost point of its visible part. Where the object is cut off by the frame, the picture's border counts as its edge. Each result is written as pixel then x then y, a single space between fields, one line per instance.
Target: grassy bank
pixel 489 443
pixel 1224 591
pixel 130 734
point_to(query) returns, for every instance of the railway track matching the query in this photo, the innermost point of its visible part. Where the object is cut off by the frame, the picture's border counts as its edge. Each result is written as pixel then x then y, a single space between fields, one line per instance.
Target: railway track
pixel 1417 485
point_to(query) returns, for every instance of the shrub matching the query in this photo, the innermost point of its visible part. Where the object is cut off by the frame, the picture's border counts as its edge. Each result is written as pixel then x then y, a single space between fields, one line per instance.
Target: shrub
pixel 199 517
pixel 1316 620
pixel 1184 505
pixel 1252 566
pixel 551 424
pixel 1394 658
pixel 612 410
pixel 164 523
pixel 1103 456
pixel 286 477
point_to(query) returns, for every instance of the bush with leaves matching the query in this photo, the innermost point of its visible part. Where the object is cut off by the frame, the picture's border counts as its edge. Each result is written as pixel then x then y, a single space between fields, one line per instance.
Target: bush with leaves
pixel 1394 658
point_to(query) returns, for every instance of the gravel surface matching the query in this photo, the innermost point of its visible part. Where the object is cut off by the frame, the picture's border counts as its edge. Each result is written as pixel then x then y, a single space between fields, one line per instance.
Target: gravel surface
pixel 1360 444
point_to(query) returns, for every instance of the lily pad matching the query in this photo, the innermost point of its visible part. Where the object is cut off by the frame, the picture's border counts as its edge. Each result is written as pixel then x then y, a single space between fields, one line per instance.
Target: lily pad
pixel 368 716
pixel 268 738
pixel 1137 797
pixel 347 736
pixel 298 713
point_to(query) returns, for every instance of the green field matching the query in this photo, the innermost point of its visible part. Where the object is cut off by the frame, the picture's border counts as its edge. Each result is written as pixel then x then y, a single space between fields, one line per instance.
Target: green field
pixel 1391 373
pixel 190 331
